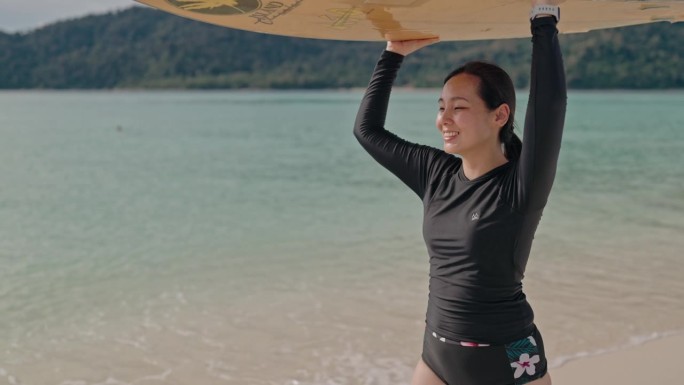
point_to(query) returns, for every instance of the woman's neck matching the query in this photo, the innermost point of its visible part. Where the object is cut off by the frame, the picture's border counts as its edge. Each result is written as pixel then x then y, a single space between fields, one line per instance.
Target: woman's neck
pixel 480 163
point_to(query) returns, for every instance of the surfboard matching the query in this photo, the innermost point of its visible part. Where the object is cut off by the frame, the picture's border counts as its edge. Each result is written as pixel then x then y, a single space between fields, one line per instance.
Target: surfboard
pixel 380 20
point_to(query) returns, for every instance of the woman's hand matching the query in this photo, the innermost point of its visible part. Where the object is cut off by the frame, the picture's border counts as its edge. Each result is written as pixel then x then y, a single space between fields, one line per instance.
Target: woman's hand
pixel 405 47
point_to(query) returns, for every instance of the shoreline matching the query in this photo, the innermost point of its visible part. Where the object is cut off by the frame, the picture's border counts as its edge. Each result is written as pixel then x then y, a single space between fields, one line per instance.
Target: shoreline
pixel 653 359
pixel 633 343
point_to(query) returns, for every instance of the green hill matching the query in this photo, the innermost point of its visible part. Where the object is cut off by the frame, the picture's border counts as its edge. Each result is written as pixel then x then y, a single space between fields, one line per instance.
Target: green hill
pixel 145 48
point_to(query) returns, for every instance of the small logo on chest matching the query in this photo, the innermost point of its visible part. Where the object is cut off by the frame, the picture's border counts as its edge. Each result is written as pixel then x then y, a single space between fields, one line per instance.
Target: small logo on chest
pixel 475 216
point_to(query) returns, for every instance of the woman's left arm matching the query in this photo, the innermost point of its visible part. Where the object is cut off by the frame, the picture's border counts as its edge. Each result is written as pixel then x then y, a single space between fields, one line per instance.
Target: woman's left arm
pixel 545 116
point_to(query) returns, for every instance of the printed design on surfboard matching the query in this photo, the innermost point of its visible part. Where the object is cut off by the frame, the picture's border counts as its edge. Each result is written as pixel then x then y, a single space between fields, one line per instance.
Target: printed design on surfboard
pixel 379 20
pixel 343 18
pixel 217 7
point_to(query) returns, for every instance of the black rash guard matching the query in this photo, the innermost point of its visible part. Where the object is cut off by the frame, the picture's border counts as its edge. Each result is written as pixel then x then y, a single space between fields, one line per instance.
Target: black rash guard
pixel 478 232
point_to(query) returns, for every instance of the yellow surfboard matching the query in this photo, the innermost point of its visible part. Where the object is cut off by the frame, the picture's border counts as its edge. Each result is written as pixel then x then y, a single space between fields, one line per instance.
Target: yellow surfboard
pixel 371 20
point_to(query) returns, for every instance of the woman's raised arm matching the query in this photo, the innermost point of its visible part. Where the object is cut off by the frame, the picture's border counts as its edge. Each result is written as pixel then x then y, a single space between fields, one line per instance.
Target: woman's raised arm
pixel 545 116
pixel 414 164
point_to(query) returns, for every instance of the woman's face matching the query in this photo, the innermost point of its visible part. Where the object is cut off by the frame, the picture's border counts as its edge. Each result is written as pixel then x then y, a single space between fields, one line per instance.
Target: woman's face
pixel 463 119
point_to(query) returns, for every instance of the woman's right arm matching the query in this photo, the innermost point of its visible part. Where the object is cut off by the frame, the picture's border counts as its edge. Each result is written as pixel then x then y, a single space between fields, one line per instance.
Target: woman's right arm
pixel 414 164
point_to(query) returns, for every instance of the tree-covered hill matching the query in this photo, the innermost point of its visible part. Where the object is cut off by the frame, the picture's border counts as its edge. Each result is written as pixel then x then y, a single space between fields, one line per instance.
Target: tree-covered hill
pixel 145 48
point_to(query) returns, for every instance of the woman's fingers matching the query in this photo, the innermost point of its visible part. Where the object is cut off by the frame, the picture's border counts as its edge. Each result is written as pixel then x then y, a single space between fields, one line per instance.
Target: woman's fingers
pixel 405 47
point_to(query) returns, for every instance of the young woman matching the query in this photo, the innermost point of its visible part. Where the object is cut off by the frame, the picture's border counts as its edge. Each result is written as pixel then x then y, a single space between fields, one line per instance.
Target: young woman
pixel 481 209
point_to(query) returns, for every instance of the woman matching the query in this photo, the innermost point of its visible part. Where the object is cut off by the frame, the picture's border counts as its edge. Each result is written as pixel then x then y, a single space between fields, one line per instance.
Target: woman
pixel 480 209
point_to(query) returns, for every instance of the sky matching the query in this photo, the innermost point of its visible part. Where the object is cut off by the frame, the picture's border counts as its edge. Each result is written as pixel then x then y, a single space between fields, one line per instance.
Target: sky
pixel 22 15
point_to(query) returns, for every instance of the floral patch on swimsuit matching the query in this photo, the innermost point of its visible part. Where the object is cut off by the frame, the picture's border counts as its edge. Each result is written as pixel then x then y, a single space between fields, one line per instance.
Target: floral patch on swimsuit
pixel 525 360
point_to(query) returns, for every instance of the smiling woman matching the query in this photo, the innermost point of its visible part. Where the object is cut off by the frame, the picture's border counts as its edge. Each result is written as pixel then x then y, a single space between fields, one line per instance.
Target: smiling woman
pixel 485 93
pixel 481 209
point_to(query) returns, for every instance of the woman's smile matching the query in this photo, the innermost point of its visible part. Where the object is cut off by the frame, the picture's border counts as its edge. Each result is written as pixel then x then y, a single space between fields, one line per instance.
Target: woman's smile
pixel 450 136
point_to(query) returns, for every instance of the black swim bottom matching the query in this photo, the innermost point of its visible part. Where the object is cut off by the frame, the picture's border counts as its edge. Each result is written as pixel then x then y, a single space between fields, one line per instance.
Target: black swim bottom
pixel 514 363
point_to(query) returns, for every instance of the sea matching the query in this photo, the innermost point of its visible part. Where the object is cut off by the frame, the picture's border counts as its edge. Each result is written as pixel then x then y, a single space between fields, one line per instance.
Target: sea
pixel 245 237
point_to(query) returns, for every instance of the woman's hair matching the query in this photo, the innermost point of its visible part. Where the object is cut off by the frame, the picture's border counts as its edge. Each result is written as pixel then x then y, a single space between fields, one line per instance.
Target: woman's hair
pixel 496 88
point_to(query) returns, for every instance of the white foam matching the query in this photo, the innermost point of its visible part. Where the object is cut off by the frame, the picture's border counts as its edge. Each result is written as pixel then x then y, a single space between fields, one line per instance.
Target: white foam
pixel 141 343
pixel 181 298
pixel 161 377
pixel 213 343
pixel 112 381
pixel 632 342
pixel 363 368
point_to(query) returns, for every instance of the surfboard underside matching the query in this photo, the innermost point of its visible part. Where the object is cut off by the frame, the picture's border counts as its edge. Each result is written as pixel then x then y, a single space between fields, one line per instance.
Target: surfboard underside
pixel 380 20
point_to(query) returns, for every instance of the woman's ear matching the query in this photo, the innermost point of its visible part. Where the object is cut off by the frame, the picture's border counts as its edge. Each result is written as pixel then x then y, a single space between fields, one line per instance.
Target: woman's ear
pixel 501 115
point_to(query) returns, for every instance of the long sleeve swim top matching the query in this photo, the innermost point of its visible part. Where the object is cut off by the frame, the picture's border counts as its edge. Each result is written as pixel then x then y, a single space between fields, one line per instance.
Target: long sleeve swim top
pixel 478 232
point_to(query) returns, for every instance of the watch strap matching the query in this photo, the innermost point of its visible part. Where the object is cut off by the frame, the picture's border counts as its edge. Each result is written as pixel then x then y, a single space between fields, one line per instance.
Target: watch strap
pixel 545 9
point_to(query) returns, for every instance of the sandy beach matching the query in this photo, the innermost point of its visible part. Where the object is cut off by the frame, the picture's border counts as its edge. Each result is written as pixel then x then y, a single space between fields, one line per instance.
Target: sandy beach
pixel 657 361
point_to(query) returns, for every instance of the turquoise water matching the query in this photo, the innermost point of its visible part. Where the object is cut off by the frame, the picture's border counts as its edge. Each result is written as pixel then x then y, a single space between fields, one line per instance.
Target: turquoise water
pixel 245 237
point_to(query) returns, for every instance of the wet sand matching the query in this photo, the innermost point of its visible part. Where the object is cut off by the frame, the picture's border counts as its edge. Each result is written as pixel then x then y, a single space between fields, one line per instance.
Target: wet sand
pixel 654 362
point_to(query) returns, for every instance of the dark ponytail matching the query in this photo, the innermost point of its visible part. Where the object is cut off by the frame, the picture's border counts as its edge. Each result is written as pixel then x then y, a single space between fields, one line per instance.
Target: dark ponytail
pixel 511 142
pixel 496 88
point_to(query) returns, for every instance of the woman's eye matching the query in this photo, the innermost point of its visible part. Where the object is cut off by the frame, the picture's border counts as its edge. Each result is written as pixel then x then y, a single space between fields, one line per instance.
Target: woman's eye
pixel 441 108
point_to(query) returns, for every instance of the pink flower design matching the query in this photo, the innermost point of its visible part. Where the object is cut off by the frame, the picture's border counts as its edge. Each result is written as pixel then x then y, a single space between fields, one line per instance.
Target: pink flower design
pixel 525 364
